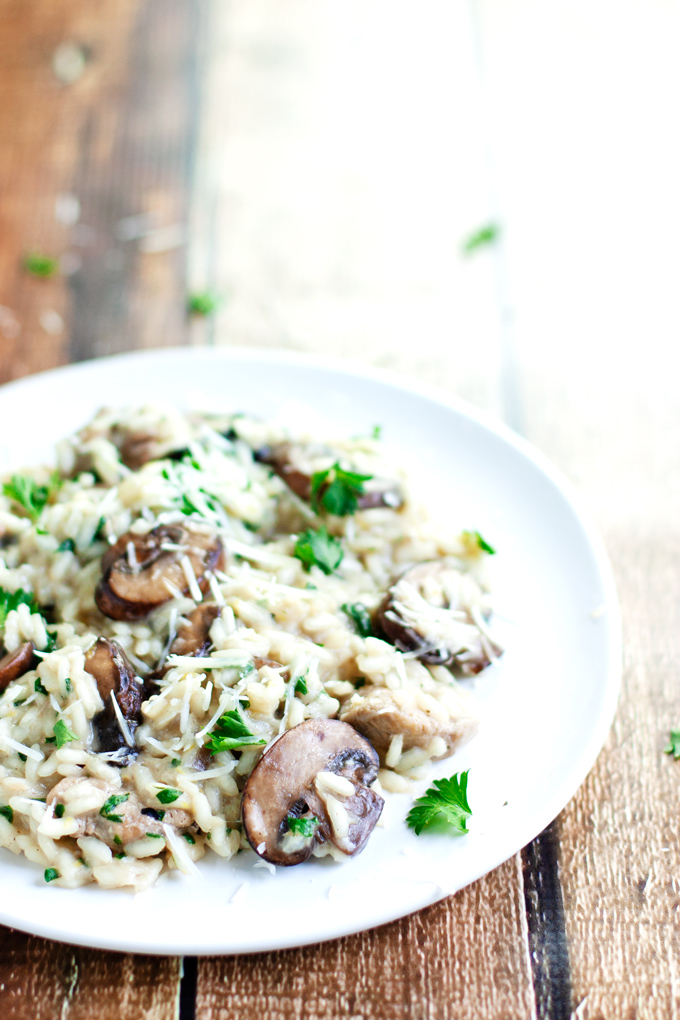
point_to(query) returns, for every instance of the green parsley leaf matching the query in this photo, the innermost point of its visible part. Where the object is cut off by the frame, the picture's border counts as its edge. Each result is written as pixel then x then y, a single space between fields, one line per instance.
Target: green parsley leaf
pixel 673 746
pixel 40 265
pixel 29 495
pixel 359 616
pixel 108 807
pixel 59 810
pixel 154 835
pixel 339 494
pixel 120 856
pixel 203 303
pixel 303 826
pixel 320 548
pixel 68 685
pixel 51 874
pixel 474 542
pixel 301 685
pixel 22 756
pixel 8 813
pixel 68 545
pixel 12 600
pixel 62 733
pixel 175 762
pixel 231 731
pixel 443 807
pixel 485 235
pixel 118 840
pixel 39 688
pixel 189 838
pixel 168 795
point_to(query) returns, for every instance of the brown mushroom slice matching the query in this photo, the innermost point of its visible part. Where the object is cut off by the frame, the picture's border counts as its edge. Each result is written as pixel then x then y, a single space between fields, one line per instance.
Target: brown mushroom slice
pixel 381 714
pixel 289 461
pixel 291 780
pixel 136 821
pixel 193 637
pixel 15 664
pixel 141 572
pixel 115 677
pixel 439 613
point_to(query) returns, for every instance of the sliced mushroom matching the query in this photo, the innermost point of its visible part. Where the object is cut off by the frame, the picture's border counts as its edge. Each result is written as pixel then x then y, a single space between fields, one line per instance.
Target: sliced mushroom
pixel 141 572
pixel 296 778
pixel 135 822
pixel 292 463
pixel 381 714
pixel 15 664
pixel 440 613
pixel 193 637
pixel 107 663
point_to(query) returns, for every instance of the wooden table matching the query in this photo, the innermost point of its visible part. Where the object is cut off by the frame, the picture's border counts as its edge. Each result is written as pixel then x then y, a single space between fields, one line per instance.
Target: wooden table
pixel 318 164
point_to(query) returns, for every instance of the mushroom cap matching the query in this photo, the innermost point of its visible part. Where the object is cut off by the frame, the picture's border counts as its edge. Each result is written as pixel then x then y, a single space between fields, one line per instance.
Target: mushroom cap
pixel 140 571
pixel 107 663
pixel 16 663
pixel 283 784
pixel 428 611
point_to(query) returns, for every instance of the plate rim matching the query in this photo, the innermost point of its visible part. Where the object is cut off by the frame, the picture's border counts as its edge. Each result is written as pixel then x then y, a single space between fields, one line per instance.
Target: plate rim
pixel 564 791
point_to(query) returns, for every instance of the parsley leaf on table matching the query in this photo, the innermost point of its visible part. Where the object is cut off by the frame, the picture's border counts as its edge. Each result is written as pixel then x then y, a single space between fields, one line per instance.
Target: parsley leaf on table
pixel 673 746
pixel 336 490
pixel 320 548
pixel 443 807
pixel 231 731
pixel 487 234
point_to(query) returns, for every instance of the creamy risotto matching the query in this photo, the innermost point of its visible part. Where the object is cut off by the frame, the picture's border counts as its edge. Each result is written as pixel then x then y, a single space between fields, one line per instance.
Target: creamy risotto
pixel 221 636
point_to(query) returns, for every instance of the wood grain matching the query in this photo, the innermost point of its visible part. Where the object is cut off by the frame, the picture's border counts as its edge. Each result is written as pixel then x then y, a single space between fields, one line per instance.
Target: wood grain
pixel 457 959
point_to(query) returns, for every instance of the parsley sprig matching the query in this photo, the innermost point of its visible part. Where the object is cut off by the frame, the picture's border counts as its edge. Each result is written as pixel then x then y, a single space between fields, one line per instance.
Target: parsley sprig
pixel 320 549
pixel 28 494
pixel 231 731
pixel 303 826
pixel 14 599
pixel 359 616
pixel 336 490
pixel 673 745
pixel 444 807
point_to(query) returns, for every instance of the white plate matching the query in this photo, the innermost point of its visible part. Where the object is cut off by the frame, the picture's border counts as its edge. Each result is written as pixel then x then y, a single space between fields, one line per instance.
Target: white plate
pixel 546 707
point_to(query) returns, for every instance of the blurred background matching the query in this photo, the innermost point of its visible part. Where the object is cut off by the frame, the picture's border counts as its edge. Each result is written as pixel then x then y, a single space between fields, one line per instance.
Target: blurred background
pixel 478 193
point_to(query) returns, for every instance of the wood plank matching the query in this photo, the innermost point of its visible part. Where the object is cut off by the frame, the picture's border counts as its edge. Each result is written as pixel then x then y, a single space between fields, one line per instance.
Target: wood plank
pixel 57 138
pixel 456 959
pixel 41 980
pixel 331 201
pixel 591 216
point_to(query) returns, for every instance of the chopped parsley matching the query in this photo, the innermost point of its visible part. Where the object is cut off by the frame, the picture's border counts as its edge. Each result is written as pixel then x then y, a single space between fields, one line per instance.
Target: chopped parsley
pixel 62 733
pixel 202 303
pixel 68 545
pixel 40 265
pixel 485 235
pixel 168 795
pixel 120 856
pixel 359 616
pixel 39 688
pixel 175 762
pixel 59 810
pixel 118 840
pixel 673 745
pixel 12 600
pixel 474 542
pixel 108 808
pixel 231 731
pixel 301 685
pixel 303 826
pixel 68 685
pixel 189 838
pixel 336 490
pixel 7 813
pixel 154 835
pixel 29 495
pixel 444 807
pixel 320 549
pixel 51 874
